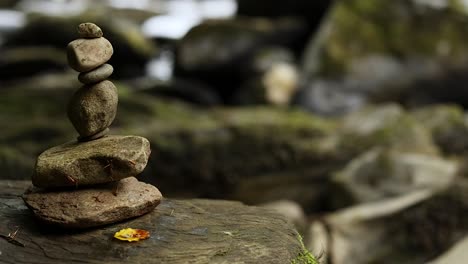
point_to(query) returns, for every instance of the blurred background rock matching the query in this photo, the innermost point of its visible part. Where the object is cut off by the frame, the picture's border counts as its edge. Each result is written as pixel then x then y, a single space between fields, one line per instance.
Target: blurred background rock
pixel 347 116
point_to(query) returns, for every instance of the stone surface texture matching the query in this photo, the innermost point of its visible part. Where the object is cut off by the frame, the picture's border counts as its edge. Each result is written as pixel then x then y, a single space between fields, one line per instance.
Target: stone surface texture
pixel 93 206
pixel 99 74
pixel 89 30
pixel 182 231
pixel 87 54
pixel 95 136
pixel 92 108
pixel 107 159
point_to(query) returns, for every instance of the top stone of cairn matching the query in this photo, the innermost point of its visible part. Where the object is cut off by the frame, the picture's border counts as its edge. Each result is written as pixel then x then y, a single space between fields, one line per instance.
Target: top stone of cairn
pixel 89 30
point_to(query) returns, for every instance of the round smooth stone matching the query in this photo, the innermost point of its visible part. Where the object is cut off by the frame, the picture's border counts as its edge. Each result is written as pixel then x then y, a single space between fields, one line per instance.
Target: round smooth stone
pixel 85 55
pixel 99 74
pixel 89 30
pixel 93 107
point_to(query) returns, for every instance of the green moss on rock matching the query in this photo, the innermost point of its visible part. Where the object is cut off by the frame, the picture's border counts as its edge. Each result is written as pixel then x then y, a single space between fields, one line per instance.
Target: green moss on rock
pixel 304 257
pixel 400 29
pixel 388 126
pixel 447 126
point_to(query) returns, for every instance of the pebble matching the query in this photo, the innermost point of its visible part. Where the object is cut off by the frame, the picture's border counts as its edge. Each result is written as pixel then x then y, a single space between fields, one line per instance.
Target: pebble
pixel 89 30
pixel 104 160
pixel 99 74
pixel 93 107
pixel 93 206
pixel 85 55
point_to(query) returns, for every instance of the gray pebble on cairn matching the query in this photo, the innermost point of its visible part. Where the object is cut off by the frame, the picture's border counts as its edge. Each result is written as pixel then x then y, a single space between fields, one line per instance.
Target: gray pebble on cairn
pixel 89 30
pixel 93 107
pixel 99 74
pixel 87 54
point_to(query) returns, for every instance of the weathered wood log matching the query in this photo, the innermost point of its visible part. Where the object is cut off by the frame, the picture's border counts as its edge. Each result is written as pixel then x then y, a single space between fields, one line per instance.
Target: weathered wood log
pixel 182 231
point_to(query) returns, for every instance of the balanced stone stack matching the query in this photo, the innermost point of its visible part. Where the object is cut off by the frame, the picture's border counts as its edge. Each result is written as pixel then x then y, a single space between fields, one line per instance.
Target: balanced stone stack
pixel 90 181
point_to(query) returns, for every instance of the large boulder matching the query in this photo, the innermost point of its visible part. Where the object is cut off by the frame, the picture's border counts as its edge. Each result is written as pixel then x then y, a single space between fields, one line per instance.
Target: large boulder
pixel 186 90
pixel 311 11
pixel 414 227
pixel 456 255
pixel 388 126
pixel 181 231
pixel 447 125
pixel 27 61
pixel 407 51
pixel 380 173
pixel 218 52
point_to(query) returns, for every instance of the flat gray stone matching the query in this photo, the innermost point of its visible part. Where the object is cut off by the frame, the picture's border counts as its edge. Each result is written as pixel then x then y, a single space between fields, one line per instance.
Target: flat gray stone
pixel 181 231
pixel 87 54
pixel 103 160
pixel 89 30
pixel 92 108
pixel 99 74
pixel 93 206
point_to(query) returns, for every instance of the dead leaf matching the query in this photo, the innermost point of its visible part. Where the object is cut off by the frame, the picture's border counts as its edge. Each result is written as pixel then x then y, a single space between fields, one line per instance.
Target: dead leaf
pixel 131 235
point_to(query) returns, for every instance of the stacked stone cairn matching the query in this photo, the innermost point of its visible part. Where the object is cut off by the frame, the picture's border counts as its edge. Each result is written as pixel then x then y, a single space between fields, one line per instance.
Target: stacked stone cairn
pixel 90 181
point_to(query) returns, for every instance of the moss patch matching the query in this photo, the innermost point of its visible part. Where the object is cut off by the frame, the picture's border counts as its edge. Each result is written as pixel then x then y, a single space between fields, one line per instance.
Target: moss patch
pixel 304 257
pixel 400 29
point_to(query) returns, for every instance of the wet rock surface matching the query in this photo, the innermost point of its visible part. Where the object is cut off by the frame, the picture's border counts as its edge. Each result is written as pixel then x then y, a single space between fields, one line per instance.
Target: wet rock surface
pixel 196 231
pixel 107 159
pixel 95 205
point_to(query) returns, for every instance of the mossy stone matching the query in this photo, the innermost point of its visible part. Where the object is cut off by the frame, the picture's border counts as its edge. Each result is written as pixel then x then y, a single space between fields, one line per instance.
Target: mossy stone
pixel 107 159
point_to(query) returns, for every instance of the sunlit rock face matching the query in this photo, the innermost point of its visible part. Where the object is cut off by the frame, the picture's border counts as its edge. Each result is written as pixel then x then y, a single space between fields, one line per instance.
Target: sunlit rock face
pixel 412 52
